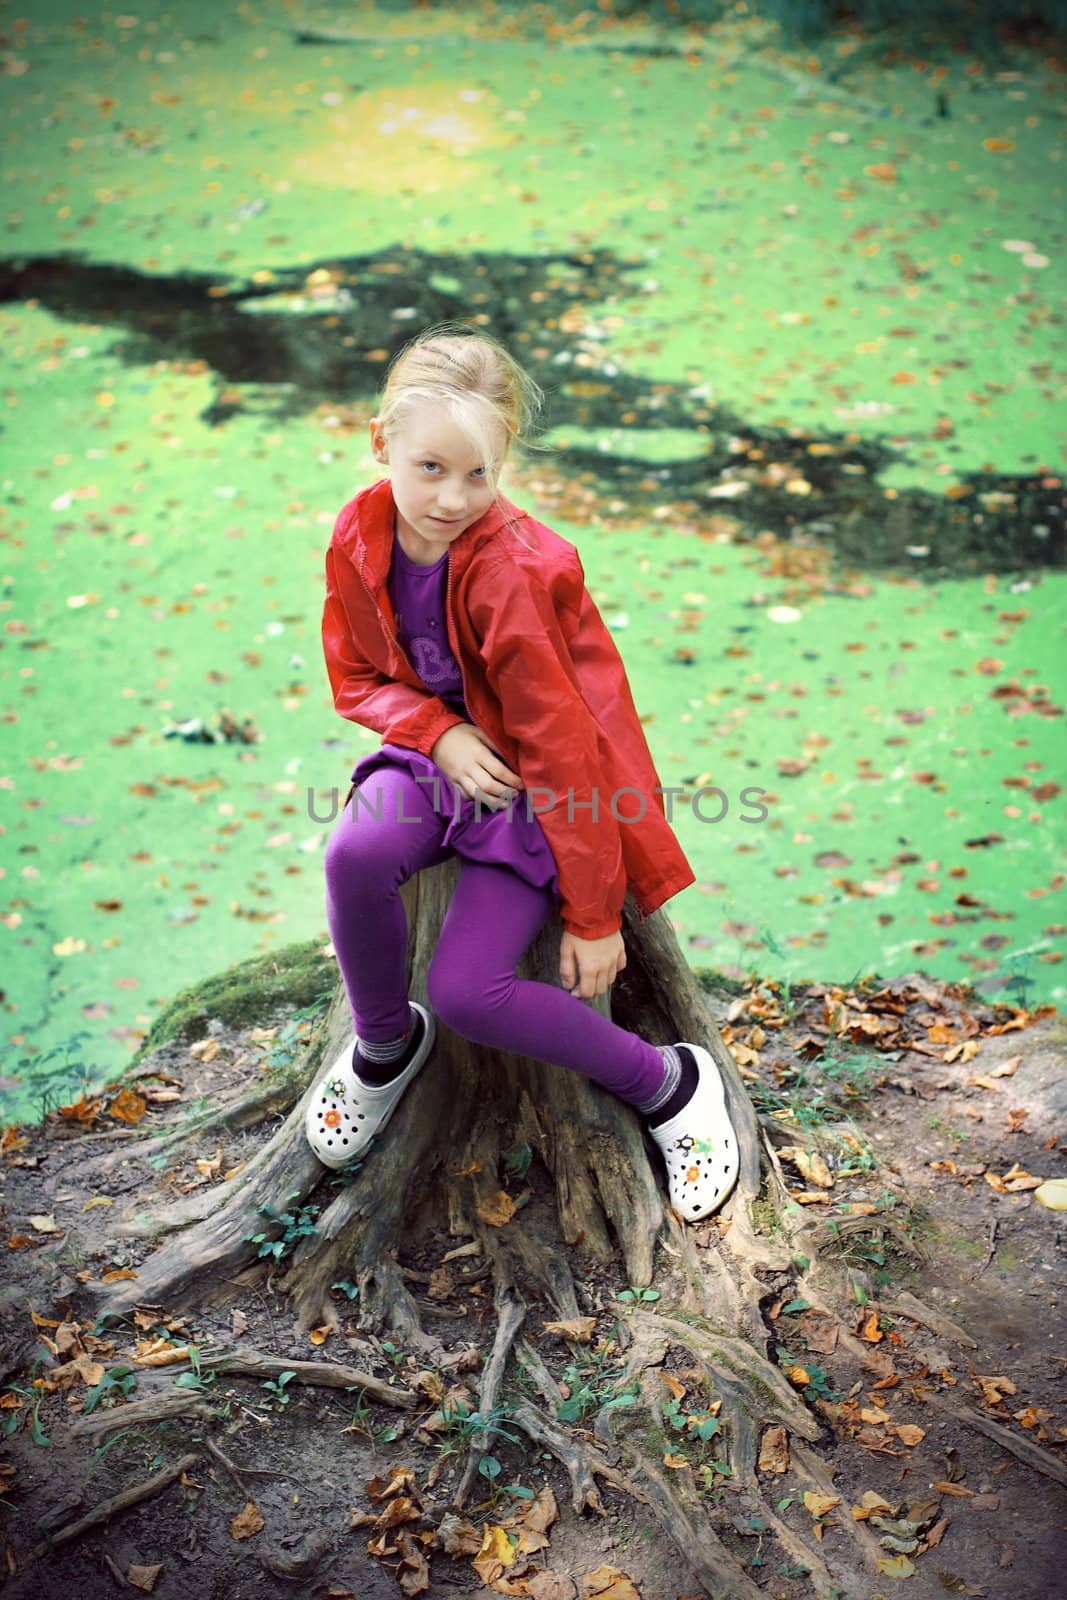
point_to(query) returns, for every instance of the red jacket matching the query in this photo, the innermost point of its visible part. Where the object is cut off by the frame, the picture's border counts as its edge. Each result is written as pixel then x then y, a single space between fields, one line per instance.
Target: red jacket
pixel 542 678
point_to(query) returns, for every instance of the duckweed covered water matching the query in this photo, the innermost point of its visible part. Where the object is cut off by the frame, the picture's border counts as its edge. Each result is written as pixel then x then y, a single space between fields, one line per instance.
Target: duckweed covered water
pixel 809 264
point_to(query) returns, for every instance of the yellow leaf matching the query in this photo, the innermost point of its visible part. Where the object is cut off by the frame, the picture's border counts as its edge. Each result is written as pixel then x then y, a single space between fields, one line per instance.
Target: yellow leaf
pixel 204 1049
pixel 497 1209
pixel 820 1504
pixel 677 1462
pixel 1053 1194
pixel 116 1273
pixel 320 1335
pixel 895 1566
pixel 998 144
pixel 800 1376
pixel 496 1553
pixel 246 1522
pixel 909 1434
pixel 98 1200
pixel 143 1577
pixel 874 1415
pixel 159 1353
pixel 577 1328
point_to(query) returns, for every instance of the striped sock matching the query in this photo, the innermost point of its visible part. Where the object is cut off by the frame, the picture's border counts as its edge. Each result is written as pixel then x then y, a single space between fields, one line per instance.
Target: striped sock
pixel 672 1077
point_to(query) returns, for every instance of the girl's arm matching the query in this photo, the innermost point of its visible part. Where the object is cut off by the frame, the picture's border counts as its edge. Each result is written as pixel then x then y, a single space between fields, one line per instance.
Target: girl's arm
pixel 400 712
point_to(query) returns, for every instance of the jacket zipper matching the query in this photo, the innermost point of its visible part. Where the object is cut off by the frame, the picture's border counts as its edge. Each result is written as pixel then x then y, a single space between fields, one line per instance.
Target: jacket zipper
pixel 449 629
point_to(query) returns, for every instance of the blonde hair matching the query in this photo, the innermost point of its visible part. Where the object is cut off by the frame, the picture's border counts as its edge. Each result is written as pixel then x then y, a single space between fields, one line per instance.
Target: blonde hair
pixel 477 379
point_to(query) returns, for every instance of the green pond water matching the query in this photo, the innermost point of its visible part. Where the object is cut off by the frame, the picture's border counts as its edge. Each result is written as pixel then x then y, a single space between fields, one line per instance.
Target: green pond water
pixel 803 260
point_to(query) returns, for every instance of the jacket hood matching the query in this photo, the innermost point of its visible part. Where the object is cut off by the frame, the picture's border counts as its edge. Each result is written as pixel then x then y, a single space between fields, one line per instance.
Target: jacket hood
pixel 365 526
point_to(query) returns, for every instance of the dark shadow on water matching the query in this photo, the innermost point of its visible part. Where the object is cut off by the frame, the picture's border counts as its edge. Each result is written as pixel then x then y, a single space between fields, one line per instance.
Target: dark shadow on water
pixel 323 333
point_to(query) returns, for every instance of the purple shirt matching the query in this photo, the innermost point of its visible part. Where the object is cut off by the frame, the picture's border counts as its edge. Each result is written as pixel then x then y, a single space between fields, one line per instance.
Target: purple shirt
pixel 418 596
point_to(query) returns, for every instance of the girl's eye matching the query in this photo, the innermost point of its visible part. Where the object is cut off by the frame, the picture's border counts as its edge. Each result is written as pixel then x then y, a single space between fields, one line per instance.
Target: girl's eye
pixel 479 472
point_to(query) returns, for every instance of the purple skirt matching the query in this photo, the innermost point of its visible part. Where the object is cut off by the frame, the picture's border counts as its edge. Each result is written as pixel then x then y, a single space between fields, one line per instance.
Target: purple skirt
pixel 517 841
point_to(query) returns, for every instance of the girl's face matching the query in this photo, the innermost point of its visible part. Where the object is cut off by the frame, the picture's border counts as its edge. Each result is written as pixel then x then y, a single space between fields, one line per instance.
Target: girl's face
pixel 439 484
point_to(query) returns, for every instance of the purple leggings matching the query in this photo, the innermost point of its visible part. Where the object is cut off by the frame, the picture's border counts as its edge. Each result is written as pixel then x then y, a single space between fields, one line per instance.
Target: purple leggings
pixel 492 918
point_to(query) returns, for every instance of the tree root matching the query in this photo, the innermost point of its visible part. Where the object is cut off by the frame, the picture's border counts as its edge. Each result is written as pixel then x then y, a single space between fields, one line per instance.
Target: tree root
pixel 906 1305
pixel 245 1111
pixel 135 1413
pixel 1025 1449
pixel 119 1502
pixel 248 1363
pixel 510 1311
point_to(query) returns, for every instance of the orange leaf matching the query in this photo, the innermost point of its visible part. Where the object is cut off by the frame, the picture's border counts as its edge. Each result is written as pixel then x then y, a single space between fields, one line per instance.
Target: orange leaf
pixel 246 1522
pixel 497 1209
pixel 127 1106
pixel 998 144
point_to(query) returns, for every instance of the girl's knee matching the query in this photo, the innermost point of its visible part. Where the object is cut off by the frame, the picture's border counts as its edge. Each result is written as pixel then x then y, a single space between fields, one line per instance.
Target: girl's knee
pixel 355 855
pixel 463 1002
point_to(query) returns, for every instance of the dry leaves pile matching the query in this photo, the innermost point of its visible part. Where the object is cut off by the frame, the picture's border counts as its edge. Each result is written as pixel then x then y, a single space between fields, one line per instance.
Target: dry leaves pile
pixel 501 1552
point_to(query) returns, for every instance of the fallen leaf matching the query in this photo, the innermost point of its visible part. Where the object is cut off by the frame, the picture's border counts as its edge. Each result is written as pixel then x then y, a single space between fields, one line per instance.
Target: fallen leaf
pixel 548 1585
pixel 943 1486
pixel 320 1335
pixel 994 1389
pixel 116 1273
pixel 820 1504
pixel 399 1480
pixel 98 1200
pixel 909 1434
pixel 159 1353
pixel 414 1574
pixel 143 1577
pixel 127 1106
pixel 810 1164
pixel 895 1566
pixel 578 1328
pixel 608 1583
pixel 44 1224
pixel 1053 1194
pixel 677 1462
pixel 495 1553
pixel 204 1049
pixel 497 1209
pixel 246 1522
pixel 774 1450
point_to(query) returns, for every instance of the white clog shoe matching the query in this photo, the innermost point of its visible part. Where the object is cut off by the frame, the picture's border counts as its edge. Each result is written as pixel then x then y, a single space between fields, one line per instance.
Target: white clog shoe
pixel 344 1114
pixel 699 1145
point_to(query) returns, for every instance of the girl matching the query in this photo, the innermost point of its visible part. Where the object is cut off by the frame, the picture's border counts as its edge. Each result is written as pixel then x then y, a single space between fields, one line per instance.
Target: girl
pixel 460 629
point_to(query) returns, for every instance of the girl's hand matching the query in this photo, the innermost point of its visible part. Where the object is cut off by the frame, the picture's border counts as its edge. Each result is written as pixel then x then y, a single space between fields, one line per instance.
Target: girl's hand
pixel 591 964
pixel 468 760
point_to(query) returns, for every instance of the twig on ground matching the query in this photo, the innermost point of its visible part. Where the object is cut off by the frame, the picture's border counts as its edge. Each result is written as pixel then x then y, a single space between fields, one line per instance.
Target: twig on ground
pixel 118 1502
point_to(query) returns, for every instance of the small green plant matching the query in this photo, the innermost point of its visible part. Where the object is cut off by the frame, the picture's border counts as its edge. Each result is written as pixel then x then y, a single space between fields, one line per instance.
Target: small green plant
pixel 202 1382
pixel 594 1383
pixel 518 1161
pixel 461 1425
pixel 296 1224
pixel 290 1042
pixel 349 1289
pixel 817 1387
pixel 278 1390
pixel 635 1294
pixel 116 1382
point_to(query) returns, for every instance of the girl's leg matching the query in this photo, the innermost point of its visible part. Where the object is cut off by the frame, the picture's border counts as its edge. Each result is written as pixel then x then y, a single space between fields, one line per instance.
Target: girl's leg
pixel 493 917
pixel 387 831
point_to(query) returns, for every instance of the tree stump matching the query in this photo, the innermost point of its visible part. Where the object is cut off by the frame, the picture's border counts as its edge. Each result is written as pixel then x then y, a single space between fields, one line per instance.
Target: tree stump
pixel 598 1191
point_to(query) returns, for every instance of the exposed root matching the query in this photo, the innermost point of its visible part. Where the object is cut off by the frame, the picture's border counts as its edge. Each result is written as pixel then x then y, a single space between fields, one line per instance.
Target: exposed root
pixel 135 1413
pixel 579 1463
pixel 678 1509
pixel 118 1502
pixel 246 1111
pixel 248 1363
pixel 510 1310
pixel 1025 1449
pixel 906 1305
pixel 809 1468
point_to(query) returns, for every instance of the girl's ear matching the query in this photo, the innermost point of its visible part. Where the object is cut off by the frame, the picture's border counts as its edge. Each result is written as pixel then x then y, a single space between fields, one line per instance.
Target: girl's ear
pixel 378 443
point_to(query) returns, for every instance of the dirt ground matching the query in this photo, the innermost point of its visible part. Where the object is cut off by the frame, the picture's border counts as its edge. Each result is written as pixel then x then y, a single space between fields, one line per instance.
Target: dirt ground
pixel 933 1362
